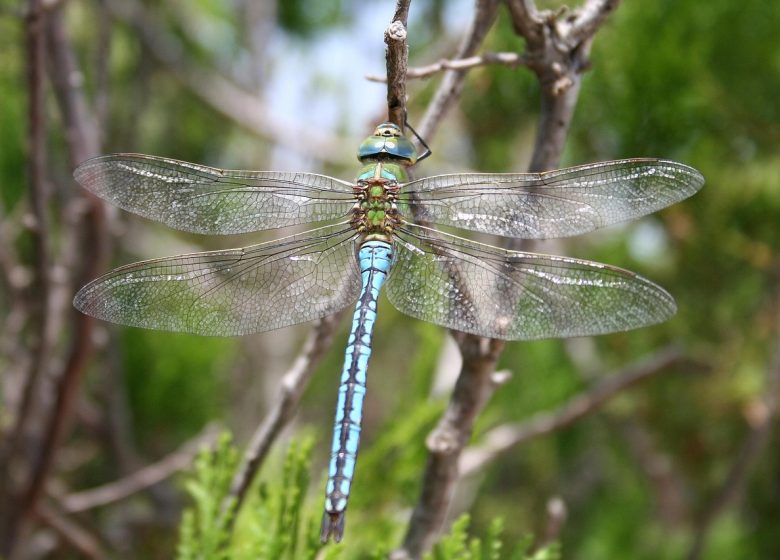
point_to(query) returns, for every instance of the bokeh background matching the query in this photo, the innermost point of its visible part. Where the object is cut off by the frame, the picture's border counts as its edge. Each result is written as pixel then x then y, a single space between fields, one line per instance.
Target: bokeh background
pixel 691 453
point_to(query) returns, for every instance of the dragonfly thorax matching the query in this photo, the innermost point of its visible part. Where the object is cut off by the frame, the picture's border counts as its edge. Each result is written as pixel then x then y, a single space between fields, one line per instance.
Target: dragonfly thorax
pixel 375 212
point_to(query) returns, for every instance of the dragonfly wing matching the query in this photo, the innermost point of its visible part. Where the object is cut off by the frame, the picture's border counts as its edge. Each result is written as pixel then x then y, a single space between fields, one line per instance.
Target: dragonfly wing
pixel 514 295
pixel 553 204
pixel 207 200
pixel 232 292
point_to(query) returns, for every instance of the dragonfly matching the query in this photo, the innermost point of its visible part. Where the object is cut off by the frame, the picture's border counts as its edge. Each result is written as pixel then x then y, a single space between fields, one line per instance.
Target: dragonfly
pixel 380 230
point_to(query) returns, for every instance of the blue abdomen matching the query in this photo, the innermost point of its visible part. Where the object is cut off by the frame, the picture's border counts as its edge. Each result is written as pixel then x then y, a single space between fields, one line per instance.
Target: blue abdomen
pixel 375 258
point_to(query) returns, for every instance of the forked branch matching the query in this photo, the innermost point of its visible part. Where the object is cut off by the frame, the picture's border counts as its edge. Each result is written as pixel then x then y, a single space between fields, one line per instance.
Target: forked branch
pixel 557 52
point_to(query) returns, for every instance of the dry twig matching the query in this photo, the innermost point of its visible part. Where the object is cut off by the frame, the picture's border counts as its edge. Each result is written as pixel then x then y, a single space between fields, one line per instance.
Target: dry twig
pixel 226 97
pixel 506 58
pixel 74 535
pixel 14 510
pixel 82 143
pixel 143 478
pixel 397 58
pixel 503 438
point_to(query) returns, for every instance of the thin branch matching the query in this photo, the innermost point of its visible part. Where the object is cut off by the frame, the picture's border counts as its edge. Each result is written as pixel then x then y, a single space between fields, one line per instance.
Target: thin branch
pixel 503 438
pixel 527 20
pixel 41 285
pixel 558 67
pixel 74 535
pixel 143 478
pixel 224 96
pixel 559 55
pixel 12 518
pixel 510 59
pixel 451 86
pixel 82 143
pixel 397 59
pixel 446 442
pixel 293 385
pixel 590 17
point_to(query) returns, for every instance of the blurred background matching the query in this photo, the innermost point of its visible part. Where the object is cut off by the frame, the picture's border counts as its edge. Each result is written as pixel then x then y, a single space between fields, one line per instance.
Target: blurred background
pixel 685 464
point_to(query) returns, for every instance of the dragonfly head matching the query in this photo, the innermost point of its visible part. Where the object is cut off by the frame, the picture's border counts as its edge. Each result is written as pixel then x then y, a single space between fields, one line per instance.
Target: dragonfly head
pixel 388 143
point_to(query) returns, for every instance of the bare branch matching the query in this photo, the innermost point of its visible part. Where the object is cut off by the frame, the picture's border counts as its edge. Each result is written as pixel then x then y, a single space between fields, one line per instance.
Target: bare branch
pixel 451 86
pixel 74 535
pixel 558 66
pixel 82 143
pixel 41 286
pixel 527 20
pixel 292 387
pixel 12 519
pixel 558 51
pixel 589 18
pixel 224 96
pixel 503 438
pixel 143 478
pixel 397 58
pixel 446 442
pixel 506 58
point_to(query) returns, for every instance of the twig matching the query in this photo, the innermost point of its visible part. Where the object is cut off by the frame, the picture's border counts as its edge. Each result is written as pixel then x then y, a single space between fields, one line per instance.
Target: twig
pixel 74 535
pixel 559 55
pixel 446 442
pixel 224 96
pixel 397 58
pixel 669 487
pixel 143 478
pixel 501 439
pixel 763 420
pixel 506 58
pixel 587 20
pixel 82 143
pixel 12 518
pixel 451 86
pixel 293 385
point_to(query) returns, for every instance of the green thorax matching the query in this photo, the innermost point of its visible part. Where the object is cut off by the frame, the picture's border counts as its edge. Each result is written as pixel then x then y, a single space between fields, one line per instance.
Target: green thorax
pixel 385 156
pixel 376 214
pixel 390 171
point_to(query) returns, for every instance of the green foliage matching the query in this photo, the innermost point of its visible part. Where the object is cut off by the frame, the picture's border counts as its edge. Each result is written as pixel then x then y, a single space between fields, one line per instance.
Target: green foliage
pixel 204 528
pixel 12 114
pixel 457 545
pixel 277 521
pixel 307 18
pixel 272 522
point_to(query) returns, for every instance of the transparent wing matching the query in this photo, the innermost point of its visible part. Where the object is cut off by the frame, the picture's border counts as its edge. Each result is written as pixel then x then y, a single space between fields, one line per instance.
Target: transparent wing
pixel 207 200
pixel 513 295
pixel 557 203
pixel 233 292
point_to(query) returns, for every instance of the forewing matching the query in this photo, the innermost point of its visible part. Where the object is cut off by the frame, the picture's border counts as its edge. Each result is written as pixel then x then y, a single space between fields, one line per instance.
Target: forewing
pixel 513 295
pixel 207 200
pixel 553 204
pixel 233 292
